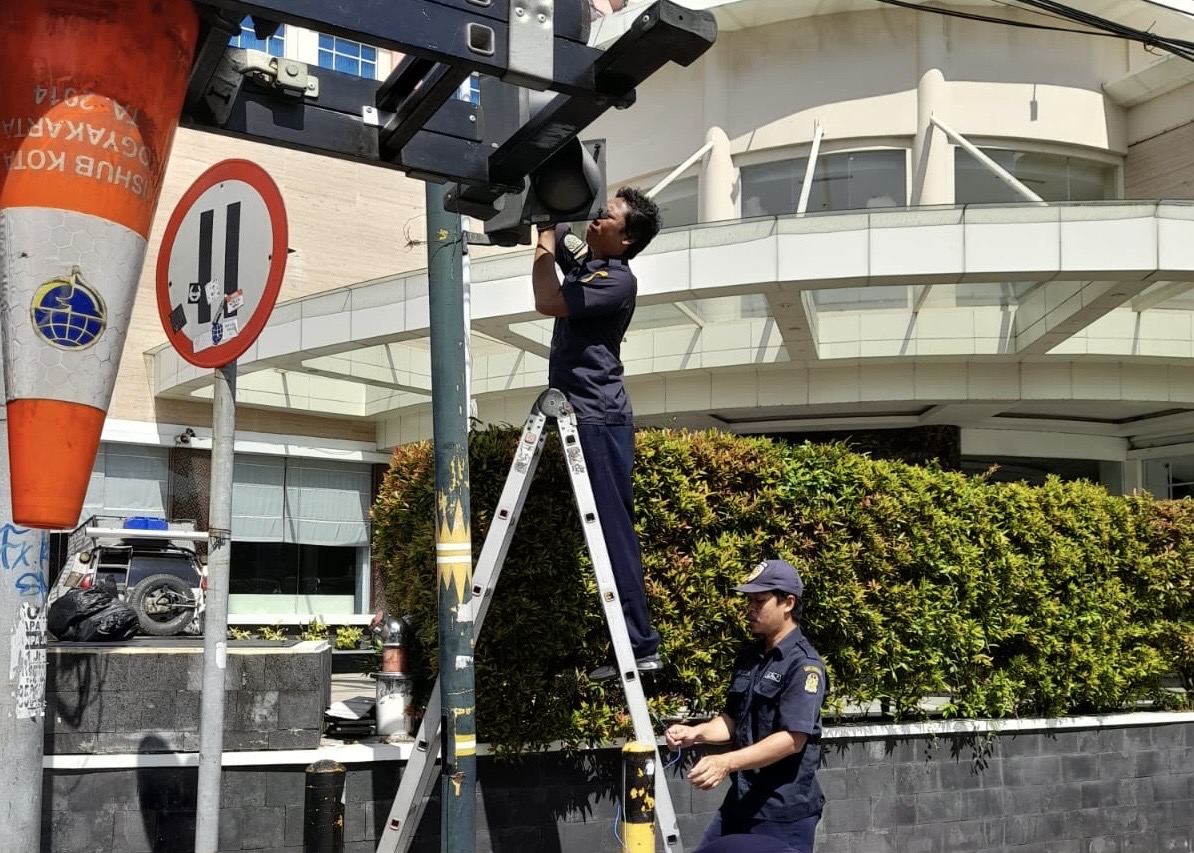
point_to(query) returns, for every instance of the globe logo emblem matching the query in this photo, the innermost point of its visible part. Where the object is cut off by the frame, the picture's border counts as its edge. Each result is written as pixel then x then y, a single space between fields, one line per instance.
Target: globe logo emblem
pixel 68 312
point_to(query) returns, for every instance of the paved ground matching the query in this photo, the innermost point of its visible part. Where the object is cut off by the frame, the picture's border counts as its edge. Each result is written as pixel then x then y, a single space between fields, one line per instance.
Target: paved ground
pixel 350 685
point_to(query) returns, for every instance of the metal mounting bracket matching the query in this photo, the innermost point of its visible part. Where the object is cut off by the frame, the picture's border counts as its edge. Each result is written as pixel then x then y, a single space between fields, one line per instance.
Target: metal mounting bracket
pixel 239 64
pixel 531 60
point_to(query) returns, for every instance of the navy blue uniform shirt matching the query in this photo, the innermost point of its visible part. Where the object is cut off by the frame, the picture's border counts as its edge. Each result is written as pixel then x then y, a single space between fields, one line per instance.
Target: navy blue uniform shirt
pixel 776 690
pixel 586 346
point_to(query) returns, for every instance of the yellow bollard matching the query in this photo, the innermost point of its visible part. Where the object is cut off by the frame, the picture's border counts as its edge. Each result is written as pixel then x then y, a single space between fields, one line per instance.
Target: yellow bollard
pixel 638 797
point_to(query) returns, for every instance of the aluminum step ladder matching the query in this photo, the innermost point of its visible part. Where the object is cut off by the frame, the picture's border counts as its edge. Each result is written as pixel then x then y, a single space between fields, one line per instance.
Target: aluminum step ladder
pixel 415 785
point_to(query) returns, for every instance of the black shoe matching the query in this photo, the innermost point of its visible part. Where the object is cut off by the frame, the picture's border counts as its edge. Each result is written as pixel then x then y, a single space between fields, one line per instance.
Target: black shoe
pixel 647 663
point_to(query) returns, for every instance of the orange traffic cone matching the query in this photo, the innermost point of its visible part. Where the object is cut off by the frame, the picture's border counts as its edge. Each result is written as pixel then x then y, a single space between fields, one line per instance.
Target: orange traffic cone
pixel 90 102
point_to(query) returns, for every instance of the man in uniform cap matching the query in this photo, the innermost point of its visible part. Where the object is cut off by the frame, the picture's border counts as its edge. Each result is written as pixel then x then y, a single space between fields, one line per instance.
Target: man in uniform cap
pixel 772 720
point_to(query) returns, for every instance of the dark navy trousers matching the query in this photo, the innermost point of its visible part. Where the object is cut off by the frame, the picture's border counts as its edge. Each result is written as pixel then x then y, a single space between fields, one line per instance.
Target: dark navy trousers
pixel 798 835
pixel 609 456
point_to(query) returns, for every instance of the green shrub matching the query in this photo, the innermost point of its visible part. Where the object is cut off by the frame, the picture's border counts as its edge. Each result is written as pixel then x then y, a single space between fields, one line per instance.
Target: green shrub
pixel 1003 598
pixel 272 633
pixel 314 630
pixel 348 637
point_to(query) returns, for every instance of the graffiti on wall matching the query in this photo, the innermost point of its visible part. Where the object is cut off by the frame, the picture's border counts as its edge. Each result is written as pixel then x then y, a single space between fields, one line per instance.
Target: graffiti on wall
pixel 24 554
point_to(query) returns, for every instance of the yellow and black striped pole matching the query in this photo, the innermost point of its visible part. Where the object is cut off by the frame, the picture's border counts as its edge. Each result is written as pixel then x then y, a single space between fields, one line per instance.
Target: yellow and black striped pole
pixel 638 797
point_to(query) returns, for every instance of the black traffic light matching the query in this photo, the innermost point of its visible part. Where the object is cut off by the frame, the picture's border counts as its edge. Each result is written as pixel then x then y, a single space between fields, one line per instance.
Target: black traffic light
pixel 569 187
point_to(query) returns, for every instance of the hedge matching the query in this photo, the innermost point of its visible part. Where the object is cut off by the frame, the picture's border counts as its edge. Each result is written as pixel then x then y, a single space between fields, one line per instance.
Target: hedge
pixel 1003 598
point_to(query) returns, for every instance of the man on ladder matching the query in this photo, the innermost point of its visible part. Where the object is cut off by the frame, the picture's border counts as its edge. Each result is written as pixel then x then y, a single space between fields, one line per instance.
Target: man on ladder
pixel 593 306
pixel 588 403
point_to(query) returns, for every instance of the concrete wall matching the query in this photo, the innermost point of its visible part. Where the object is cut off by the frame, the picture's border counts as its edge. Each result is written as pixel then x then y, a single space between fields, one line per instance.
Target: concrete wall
pixel 1113 789
pixel 1161 167
pixel 113 699
pixel 858 73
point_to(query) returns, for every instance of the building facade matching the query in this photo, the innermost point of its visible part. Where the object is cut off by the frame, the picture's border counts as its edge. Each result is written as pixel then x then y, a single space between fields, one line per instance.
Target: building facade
pixel 878 219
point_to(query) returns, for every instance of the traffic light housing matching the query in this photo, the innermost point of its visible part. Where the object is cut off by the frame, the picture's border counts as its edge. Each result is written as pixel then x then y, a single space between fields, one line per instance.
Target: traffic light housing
pixel 569 187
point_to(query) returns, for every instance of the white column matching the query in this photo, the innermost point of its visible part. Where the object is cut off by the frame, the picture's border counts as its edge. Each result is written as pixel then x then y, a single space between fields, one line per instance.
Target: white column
pixel 932 162
pixel 716 199
pixel 1133 476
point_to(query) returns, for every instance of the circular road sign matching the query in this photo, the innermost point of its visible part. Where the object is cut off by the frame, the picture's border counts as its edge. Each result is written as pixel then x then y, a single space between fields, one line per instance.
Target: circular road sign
pixel 221 263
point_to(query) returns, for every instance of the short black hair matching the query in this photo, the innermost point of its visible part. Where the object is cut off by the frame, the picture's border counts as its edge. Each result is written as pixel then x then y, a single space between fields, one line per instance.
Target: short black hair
pixel 782 596
pixel 642 220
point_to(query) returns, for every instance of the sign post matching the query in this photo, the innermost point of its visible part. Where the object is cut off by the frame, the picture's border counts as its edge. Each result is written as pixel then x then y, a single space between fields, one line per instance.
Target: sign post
pixel 219 271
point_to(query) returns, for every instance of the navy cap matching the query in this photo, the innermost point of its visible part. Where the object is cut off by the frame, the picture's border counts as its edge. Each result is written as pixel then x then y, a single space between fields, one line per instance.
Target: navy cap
pixel 773 575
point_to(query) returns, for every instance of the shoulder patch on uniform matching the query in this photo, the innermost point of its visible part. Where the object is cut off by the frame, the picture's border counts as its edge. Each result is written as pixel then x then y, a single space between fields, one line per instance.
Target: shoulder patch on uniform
pixel 595 274
pixel 808 667
pixel 812 682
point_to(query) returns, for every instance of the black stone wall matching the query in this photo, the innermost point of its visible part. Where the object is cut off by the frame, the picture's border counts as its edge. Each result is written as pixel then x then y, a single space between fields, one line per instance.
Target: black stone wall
pixel 129 698
pixel 1107 790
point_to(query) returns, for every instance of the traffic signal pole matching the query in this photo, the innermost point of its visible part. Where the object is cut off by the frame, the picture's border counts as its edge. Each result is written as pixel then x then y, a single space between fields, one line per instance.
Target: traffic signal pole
pixel 453 534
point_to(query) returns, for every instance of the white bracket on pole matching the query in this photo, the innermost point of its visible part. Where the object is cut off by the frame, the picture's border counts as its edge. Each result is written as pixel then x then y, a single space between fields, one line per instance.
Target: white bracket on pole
pixel 806 186
pixel 993 167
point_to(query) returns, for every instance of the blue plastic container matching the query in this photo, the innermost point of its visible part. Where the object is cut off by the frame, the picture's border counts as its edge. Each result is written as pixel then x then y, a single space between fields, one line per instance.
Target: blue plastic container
pixel 145 522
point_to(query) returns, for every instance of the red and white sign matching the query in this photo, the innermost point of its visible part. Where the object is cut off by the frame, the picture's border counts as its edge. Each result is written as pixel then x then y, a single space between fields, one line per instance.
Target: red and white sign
pixel 221 263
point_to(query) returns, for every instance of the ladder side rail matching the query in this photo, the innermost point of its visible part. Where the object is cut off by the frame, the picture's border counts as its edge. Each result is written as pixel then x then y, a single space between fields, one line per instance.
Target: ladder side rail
pixel 414 787
pixel 505 517
pixel 636 700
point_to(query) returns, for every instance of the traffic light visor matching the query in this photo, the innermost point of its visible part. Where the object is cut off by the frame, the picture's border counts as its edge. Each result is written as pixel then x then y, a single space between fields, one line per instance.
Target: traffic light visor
pixel 568 183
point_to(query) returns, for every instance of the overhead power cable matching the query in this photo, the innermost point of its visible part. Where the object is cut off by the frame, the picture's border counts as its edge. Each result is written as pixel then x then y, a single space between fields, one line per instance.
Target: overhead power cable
pixel 1094 25
pixel 974 16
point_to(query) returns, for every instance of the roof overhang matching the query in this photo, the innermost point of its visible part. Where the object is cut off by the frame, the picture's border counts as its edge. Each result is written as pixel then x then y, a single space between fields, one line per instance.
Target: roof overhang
pixel 719 301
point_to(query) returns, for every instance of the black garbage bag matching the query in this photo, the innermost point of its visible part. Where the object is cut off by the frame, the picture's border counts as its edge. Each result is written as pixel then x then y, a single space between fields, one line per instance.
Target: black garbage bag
pixel 118 621
pixel 91 616
pixel 73 607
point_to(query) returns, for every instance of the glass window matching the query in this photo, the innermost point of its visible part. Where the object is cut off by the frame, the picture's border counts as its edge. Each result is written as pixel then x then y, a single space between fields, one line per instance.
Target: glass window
pixel 772 189
pixel 1054 177
pixel 678 203
pixel 1178 477
pixel 287 568
pixel 471 90
pixel 857 180
pixel 859 298
pixel 350 57
pixel 275 45
pixel 300 531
